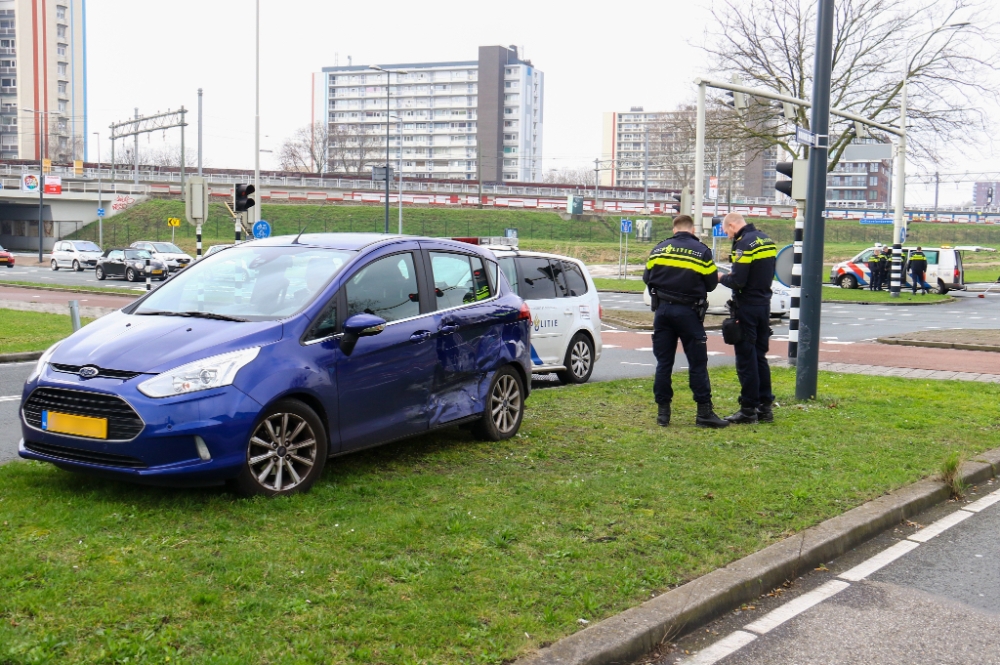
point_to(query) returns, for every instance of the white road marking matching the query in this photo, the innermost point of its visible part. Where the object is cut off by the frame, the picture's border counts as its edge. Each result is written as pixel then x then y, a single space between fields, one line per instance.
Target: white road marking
pixel 838 342
pixel 879 561
pixel 940 526
pixel 639 364
pixel 10 398
pixel 645 348
pixel 727 645
pixel 716 353
pixel 773 357
pixel 793 608
pixel 610 346
pixel 985 502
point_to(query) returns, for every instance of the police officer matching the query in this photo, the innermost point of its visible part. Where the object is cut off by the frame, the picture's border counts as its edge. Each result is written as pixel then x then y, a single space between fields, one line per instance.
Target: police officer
pixel 918 266
pixel 679 273
pixel 886 269
pixel 753 259
pixel 875 268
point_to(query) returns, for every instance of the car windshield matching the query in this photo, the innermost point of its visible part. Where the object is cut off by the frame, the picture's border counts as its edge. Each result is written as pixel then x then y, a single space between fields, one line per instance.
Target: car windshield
pixel 137 254
pixel 167 248
pixel 249 282
pixel 86 246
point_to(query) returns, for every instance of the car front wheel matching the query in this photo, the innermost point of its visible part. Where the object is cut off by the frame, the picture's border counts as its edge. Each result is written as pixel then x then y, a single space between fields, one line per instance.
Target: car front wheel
pixel 99 273
pixel 848 282
pixel 130 275
pixel 76 266
pixel 504 406
pixel 55 266
pixel 286 451
pixel 579 360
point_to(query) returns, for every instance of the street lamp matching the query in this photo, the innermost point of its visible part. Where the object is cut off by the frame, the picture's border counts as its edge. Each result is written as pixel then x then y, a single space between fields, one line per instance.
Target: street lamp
pixel 100 194
pixel 41 179
pixel 388 89
pixel 399 175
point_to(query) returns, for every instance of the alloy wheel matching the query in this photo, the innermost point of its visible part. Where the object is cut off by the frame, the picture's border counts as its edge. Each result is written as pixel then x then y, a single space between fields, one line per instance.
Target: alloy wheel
pixel 282 451
pixel 505 404
pixel 580 359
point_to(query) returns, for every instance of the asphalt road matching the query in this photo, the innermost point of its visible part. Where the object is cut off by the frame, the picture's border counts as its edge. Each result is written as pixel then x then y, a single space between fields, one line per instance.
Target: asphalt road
pixel 12 378
pixel 939 603
pixel 27 270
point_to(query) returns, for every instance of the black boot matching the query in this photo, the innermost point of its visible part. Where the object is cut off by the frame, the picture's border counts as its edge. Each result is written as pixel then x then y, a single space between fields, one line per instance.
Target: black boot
pixel 747 415
pixel 707 418
pixel 765 413
pixel 663 415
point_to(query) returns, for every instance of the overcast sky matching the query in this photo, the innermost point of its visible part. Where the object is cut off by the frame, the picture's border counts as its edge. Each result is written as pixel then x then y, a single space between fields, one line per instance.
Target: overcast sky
pixel 155 56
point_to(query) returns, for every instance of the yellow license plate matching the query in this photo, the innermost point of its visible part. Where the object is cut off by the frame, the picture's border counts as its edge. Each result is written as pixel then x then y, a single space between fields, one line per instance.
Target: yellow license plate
pixel 64 423
pixel 157 272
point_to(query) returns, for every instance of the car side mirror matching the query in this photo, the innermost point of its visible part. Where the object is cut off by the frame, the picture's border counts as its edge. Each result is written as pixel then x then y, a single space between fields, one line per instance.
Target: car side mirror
pixel 358 326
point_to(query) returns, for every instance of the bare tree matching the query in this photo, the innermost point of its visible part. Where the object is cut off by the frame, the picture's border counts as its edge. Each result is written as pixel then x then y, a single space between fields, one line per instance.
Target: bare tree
pixel 354 148
pixel 771 44
pixel 570 175
pixel 307 150
pixel 335 148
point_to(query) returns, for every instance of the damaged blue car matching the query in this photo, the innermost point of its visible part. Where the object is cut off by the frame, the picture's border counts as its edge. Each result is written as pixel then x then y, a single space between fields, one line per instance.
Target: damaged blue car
pixel 256 364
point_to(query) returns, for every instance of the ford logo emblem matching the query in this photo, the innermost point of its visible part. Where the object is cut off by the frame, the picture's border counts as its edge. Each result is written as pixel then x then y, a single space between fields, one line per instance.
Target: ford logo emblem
pixel 89 372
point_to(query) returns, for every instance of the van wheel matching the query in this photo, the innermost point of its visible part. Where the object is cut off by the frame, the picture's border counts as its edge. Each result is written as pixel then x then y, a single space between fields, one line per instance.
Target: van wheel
pixel 504 407
pixel 848 282
pixel 285 453
pixel 55 266
pixel 579 361
pixel 99 273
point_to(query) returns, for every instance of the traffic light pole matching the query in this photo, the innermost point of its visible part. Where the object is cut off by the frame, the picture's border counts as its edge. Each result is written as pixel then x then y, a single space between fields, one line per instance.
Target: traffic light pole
pixel 898 221
pixel 795 307
pixel 807 367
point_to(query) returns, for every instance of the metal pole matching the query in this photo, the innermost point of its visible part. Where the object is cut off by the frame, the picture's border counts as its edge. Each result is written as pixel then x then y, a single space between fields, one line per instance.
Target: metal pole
pixel 74 314
pixel 795 305
pixel 479 173
pixel 100 195
pixel 597 178
pixel 199 133
pixel 898 221
pixel 41 187
pixel 183 125
pixel 135 177
pixel 699 162
pixel 645 174
pixel 937 186
pixel 400 134
pixel 256 128
pixel 387 89
pixel 197 235
pixel 149 276
pixel 812 257
pixel 238 224
pixel 718 174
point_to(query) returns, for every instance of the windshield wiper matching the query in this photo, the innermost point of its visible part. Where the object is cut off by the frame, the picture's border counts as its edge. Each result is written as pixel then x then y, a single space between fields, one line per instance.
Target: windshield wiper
pixel 196 315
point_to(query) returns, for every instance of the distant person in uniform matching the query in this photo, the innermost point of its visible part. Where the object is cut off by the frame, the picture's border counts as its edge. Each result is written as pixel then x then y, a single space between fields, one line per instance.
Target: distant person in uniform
pixel 886 269
pixel 918 270
pixel 875 269
pixel 680 273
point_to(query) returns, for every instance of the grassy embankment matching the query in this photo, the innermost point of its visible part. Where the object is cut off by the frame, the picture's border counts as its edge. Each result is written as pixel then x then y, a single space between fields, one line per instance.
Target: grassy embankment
pixel 32 331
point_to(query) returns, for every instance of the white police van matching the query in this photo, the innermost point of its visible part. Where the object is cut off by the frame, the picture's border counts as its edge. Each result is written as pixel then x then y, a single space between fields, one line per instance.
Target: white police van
pixel 945 271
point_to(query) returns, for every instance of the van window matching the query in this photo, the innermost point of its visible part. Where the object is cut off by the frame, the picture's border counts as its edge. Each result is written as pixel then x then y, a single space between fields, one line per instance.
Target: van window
pixel 575 282
pixel 507 265
pixel 932 257
pixel 537 278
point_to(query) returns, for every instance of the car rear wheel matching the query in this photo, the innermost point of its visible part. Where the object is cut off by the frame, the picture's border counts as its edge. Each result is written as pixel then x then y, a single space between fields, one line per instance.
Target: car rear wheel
pixel 579 360
pixel 130 275
pixel 504 407
pixel 55 266
pixel 848 282
pixel 76 266
pixel 286 451
pixel 99 273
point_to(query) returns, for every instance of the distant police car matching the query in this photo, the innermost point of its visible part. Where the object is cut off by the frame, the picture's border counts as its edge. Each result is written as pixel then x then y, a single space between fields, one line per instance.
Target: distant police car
pixel 781 297
pixel 944 267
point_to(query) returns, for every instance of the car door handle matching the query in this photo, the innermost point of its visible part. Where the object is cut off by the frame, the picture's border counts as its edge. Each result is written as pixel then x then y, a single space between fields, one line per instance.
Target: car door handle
pixel 448 329
pixel 420 336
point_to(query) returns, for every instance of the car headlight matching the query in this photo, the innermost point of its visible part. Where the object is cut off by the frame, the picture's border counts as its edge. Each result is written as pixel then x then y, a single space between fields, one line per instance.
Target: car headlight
pixel 213 372
pixel 43 361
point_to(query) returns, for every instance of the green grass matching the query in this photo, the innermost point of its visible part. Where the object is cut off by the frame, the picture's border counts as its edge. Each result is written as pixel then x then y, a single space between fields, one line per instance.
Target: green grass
pixel 32 331
pixel 69 287
pixel 991 274
pixel 864 295
pixel 611 284
pixel 445 550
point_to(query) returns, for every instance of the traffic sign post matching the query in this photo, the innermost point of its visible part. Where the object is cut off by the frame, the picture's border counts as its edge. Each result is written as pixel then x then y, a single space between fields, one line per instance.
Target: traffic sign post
pixel 173 223
pixel 100 212
pixel 261 229
pixel 626 230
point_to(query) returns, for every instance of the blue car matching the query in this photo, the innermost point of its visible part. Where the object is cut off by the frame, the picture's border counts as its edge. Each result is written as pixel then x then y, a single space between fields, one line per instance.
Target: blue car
pixel 255 365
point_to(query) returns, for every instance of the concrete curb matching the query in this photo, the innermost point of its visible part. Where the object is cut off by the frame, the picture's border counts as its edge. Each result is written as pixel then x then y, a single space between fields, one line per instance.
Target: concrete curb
pixel 890 304
pixel 20 357
pixel 133 295
pixel 629 293
pixel 938 345
pixel 637 631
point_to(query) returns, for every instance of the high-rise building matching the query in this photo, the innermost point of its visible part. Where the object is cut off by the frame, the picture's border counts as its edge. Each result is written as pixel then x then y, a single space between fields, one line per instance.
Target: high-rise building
pixel 444 117
pixel 859 182
pixel 43 69
pixel 986 194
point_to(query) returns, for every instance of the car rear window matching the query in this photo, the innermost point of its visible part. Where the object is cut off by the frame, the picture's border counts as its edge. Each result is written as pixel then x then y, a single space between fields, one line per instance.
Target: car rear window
pixel 537 278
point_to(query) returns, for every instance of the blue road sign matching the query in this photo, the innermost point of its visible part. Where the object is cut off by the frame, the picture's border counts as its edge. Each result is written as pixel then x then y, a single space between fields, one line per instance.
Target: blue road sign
pixel 902 235
pixel 100 212
pixel 626 226
pixel 876 220
pixel 717 231
pixel 261 229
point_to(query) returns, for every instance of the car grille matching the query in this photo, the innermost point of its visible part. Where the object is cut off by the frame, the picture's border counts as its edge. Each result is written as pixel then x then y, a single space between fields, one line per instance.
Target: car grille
pixel 101 372
pixel 87 456
pixel 123 422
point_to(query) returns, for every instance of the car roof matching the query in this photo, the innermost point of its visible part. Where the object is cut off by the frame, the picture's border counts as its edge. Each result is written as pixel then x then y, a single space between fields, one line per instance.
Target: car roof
pixel 358 241
pixel 540 255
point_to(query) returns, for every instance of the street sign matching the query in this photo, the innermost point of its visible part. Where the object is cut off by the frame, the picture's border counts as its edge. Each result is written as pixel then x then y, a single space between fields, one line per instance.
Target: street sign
pixel 902 235
pixel 877 220
pixel 53 184
pixel 713 187
pixel 626 226
pixel 379 173
pixel 783 265
pixel 510 233
pixel 173 221
pixel 261 229
pixel 100 212
pixel 804 137
pixel 196 200
pixel 718 232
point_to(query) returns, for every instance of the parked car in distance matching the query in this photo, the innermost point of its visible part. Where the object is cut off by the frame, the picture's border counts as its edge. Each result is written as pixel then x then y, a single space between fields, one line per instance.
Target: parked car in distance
pixel 130 264
pixel 216 248
pixel 781 296
pixel 945 271
pixel 75 254
pixel 256 364
pixel 566 311
pixel 170 254
pixel 6 258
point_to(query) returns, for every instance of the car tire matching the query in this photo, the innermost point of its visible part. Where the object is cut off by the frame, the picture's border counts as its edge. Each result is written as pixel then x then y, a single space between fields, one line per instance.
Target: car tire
pixel 286 427
pixel 579 361
pixel 848 282
pixel 77 267
pixel 54 265
pixel 130 275
pixel 504 407
pixel 99 273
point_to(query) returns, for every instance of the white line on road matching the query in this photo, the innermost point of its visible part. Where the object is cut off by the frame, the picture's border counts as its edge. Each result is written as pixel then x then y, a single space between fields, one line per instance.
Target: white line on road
pixel 10 398
pixel 793 608
pixel 645 348
pixel 727 645
pixel 879 561
pixel 940 526
pixel 639 364
pixel 985 502
pixel 610 346
pixel 719 353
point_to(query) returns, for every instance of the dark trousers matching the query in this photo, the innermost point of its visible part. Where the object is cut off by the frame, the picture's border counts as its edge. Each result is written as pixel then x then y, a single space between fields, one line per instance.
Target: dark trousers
pixel 673 322
pixel 917 277
pixel 876 279
pixel 751 355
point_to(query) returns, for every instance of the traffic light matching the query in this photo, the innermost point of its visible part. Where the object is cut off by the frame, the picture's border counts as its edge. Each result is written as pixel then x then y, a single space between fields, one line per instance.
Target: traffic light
pixel 241 197
pixel 861 130
pixel 738 100
pixel 685 201
pixel 787 108
pixel 798 171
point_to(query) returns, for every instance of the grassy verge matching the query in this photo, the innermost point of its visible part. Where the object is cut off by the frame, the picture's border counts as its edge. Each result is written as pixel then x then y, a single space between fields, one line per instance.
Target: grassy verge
pixel 864 295
pixel 991 274
pixel 69 287
pixel 445 550
pixel 32 331
pixel 611 284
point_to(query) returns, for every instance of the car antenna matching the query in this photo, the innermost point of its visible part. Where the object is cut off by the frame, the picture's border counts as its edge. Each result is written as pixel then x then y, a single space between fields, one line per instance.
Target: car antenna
pixel 296 241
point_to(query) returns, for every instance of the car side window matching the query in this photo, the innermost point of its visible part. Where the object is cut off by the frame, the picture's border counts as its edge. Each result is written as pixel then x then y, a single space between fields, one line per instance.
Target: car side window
pixel 575 282
pixel 325 326
pixel 116 255
pixel 386 287
pixel 480 281
pixel 537 278
pixel 932 258
pixel 510 272
pixel 454 282
pixel 864 256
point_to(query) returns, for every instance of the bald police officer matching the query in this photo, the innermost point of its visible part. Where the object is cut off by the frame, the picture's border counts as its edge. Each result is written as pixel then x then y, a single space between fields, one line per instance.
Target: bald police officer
pixel 753 258
pixel 679 273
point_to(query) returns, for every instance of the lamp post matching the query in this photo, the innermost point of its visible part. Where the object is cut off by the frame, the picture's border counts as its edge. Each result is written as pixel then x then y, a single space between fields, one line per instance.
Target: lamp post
pixel 388 90
pixel 100 194
pixel 399 174
pixel 256 130
pixel 41 180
